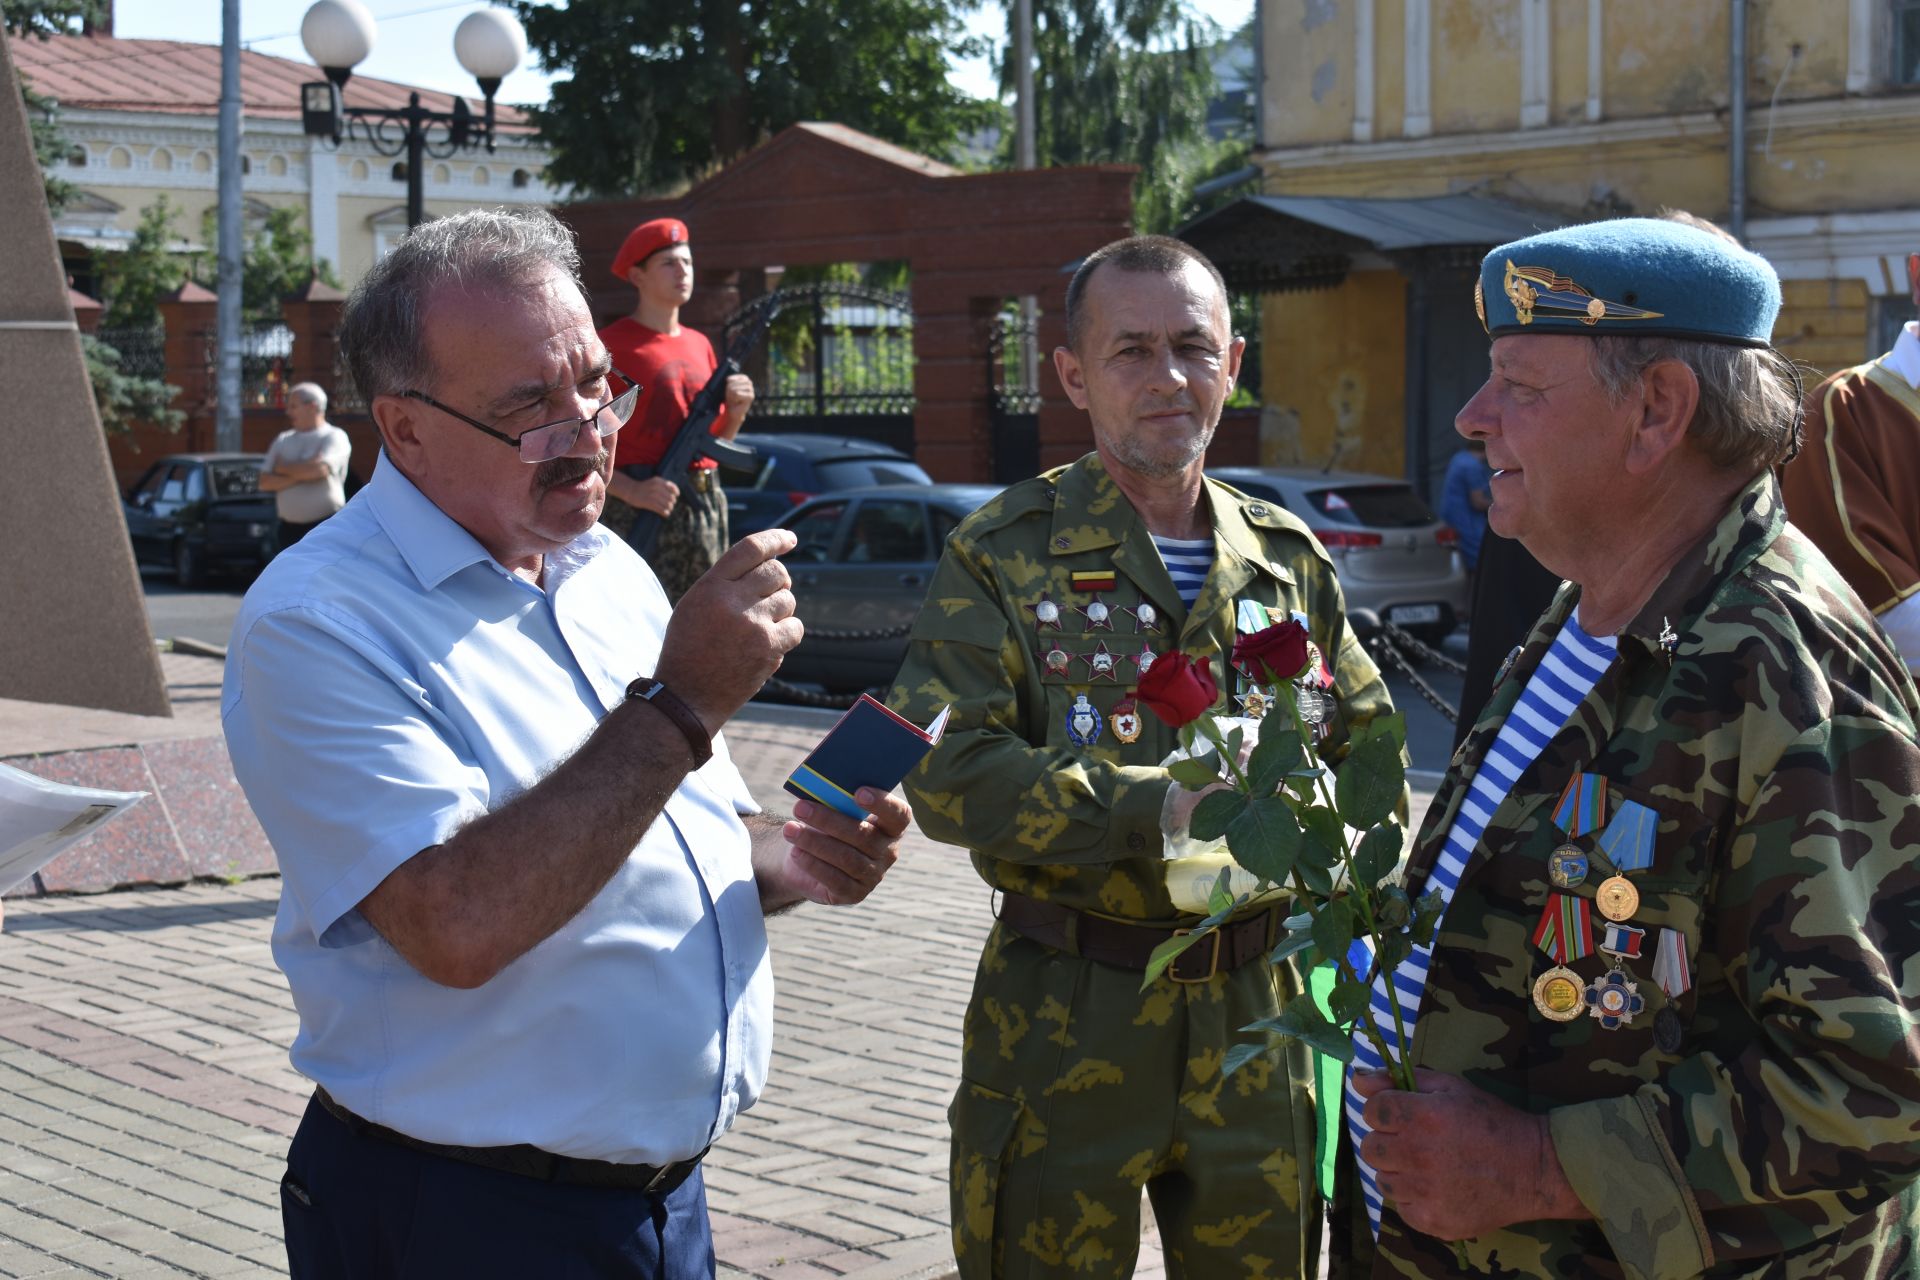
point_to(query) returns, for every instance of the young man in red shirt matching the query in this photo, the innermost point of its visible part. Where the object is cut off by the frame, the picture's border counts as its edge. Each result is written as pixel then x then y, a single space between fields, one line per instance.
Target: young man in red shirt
pixel 671 364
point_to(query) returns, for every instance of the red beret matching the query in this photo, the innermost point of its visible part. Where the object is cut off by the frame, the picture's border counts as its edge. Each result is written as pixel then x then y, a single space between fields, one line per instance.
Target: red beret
pixel 646 240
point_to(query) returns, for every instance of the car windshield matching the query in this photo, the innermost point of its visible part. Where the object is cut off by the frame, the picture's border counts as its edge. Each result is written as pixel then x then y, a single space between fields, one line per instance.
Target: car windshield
pixel 1372 506
pixel 859 473
pixel 235 479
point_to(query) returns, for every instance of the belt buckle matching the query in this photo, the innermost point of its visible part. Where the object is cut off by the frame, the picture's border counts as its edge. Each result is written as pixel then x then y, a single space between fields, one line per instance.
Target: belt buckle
pixel 1213 961
pixel 665 1172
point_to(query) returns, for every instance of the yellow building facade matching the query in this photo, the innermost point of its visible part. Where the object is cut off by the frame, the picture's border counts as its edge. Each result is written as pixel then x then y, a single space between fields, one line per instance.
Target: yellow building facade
pixel 1578 109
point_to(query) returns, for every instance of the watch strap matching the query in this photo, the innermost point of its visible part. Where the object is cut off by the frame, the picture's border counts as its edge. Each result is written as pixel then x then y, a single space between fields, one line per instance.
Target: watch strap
pixel 667 702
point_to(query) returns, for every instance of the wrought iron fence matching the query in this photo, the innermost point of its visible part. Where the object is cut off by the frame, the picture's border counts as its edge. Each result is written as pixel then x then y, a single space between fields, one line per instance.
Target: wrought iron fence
pixel 266 357
pixel 143 350
pixel 343 397
pixel 837 350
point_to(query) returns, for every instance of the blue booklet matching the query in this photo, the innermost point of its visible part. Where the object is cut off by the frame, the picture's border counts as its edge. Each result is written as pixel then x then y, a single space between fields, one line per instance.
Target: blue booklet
pixel 869 746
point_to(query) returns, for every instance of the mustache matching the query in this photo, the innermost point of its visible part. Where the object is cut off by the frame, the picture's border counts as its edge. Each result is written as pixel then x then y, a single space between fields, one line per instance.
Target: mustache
pixel 558 471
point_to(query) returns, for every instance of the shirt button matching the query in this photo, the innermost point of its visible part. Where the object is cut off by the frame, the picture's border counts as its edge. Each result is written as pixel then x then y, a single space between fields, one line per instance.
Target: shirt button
pixel 1135 840
pixel 1256 510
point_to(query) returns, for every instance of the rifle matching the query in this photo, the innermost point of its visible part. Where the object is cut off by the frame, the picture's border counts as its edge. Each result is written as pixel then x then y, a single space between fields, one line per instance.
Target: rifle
pixel 695 438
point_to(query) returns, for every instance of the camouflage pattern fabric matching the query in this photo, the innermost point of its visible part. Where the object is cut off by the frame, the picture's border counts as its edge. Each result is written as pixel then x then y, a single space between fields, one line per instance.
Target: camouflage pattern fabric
pixel 1773 735
pixel 1078 1088
pixel 694 536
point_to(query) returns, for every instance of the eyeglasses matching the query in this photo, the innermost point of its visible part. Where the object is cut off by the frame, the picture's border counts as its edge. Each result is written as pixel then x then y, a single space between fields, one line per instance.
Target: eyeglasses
pixel 553 439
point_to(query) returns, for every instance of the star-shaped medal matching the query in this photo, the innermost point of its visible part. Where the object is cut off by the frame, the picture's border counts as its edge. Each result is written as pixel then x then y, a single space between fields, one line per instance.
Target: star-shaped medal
pixel 1099 614
pixel 1146 618
pixel 1102 662
pixel 1144 658
pixel 1046 613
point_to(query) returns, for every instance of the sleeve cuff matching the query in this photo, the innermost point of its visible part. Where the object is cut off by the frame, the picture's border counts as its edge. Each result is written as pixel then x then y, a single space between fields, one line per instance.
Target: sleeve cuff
pixel 1623 1171
pixel 1139 794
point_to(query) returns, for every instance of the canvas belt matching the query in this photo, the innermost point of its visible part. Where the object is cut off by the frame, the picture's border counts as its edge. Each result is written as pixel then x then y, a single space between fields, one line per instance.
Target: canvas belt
pixel 527 1161
pixel 1128 946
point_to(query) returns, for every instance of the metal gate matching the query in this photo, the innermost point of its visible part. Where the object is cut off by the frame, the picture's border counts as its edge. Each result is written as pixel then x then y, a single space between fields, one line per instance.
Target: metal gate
pixel 838 359
pixel 1013 397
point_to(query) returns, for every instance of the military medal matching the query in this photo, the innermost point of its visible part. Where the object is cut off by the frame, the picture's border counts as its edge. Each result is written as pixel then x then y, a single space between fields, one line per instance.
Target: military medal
pixel 1668 1032
pixel 1614 999
pixel 1312 703
pixel 1620 940
pixel 1506 667
pixel 1126 720
pixel 1098 613
pixel 1617 898
pixel 1101 662
pixel 1628 839
pixel 1559 994
pixel 1083 722
pixel 1143 659
pixel 1093 580
pixel 1255 702
pixel 1145 617
pixel 1058 659
pixel 1565 931
pixel 1669 641
pixel 1583 804
pixel 1046 614
pixel 1567 866
pixel 1670 965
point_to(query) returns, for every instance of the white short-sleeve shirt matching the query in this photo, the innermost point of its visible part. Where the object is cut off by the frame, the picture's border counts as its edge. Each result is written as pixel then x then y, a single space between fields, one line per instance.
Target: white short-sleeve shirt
pixel 387 682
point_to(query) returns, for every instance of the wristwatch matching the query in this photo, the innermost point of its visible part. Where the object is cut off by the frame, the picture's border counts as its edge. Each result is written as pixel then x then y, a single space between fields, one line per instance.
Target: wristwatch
pixel 665 701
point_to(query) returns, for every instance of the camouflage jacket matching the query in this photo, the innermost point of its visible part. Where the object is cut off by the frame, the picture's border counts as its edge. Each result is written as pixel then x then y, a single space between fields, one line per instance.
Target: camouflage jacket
pixel 1772 733
pixel 1043 816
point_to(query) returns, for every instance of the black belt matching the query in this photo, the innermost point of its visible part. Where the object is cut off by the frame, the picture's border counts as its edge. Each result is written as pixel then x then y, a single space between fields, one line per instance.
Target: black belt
pixel 526 1161
pixel 1129 946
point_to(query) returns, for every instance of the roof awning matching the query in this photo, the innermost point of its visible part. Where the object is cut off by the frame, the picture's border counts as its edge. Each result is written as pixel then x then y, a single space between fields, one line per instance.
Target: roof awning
pixel 1265 244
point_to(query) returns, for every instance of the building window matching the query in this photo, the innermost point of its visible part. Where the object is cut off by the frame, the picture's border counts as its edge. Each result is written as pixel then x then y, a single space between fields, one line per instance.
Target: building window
pixel 246 163
pixel 1885 318
pixel 162 160
pixel 119 158
pixel 399 171
pixel 1906 41
pixel 521 178
pixel 77 158
pixel 480 176
pixel 277 166
pixel 360 171
pixel 202 162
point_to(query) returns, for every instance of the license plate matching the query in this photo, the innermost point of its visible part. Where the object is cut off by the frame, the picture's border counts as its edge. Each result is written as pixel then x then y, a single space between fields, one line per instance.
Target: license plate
pixel 1414 613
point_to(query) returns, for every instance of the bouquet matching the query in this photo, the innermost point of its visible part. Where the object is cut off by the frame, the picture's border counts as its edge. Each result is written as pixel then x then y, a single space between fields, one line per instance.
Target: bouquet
pixel 1331 840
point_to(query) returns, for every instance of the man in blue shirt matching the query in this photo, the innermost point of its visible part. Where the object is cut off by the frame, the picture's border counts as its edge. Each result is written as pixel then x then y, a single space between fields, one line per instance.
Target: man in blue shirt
pixel 523 884
pixel 1465 497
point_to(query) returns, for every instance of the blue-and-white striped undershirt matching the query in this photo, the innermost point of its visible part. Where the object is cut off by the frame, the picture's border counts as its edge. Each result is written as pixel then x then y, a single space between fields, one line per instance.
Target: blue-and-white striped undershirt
pixel 1187 561
pixel 1565 675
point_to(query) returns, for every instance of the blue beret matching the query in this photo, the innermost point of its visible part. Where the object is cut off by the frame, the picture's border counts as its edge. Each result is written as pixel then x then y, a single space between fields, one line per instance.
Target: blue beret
pixel 1644 276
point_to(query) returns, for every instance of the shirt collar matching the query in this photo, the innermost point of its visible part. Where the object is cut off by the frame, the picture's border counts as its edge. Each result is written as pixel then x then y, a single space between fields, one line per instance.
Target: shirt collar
pixel 1904 359
pixel 1748 527
pixel 436 546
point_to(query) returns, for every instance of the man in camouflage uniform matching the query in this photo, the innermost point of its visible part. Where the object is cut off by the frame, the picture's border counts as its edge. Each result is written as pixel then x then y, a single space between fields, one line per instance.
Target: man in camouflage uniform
pixel 1724 1079
pixel 1078 1087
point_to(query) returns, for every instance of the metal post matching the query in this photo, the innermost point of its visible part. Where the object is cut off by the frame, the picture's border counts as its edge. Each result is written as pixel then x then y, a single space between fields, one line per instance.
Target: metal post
pixel 1023 84
pixel 819 354
pixel 226 422
pixel 416 162
pixel 1737 110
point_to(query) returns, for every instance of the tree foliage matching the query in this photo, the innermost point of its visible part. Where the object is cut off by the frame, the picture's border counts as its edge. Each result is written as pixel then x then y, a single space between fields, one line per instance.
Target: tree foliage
pixel 1126 82
pixel 42 19
pixel 663 92
pixel 133 281
pixel 125 398
pixel 276 261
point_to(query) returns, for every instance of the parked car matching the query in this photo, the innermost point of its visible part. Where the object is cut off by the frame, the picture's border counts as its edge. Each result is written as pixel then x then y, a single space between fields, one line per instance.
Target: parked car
pixel 795 466
pixel 863 564
pixel 1392 554
pixel 202 513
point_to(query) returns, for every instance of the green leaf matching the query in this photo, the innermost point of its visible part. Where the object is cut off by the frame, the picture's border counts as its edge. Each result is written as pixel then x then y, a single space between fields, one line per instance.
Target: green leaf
pixel 1214 814
pixel 1317 877
pixel 1195 774
pixel 1219 898
pixel 1239 1056
pixel 1236 738
pixel 1393 726
pixel 1378 855
pixel 1347 1000
pixel 1279 753
pixel 1294 943
pixel 1167 952
pixel 1304 1022
pixel 1333 926
pixel 1426 917
pixel 1369 784
pixel 1323 825
pixel 1395 947
pixel 1265 838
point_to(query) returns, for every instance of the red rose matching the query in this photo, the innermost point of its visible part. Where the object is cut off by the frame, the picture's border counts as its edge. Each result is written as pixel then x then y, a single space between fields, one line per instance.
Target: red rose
pixel 1178 689
pixel 1275 655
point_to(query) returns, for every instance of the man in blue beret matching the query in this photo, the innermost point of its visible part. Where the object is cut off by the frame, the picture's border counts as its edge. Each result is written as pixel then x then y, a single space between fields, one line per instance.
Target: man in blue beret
pixel 1666 1029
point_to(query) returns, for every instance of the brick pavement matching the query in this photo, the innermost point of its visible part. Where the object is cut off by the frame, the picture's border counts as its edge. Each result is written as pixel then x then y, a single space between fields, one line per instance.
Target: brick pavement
pixel 145 1096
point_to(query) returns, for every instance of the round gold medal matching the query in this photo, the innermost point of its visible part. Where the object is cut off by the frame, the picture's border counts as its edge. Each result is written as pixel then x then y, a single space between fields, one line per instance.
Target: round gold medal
pixel 1617 898
pixel 1559 994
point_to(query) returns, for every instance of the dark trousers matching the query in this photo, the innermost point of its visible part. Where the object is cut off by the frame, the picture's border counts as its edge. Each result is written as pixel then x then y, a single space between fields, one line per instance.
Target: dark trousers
pixel 291 531
pixel 357 1207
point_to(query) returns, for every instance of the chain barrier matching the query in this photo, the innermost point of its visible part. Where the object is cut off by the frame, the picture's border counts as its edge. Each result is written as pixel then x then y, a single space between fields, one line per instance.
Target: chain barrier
pixel 1381 645
pixel 860 637
pixel 812 698
pixel 1425 652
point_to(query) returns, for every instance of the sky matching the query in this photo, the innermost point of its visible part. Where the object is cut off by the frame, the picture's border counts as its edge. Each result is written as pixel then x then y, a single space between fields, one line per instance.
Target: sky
pixel 414 44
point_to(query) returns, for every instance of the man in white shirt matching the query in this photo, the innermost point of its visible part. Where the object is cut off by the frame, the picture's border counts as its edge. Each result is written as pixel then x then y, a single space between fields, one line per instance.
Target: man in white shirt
pixel 523 885
pixel 306 465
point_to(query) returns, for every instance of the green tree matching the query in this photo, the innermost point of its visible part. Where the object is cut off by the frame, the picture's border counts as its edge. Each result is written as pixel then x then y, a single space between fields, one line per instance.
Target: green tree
pixel 134 280
pixel 43 19
pixel 124 398
pixel 278 260
pixel 1126 82
pixel 663 92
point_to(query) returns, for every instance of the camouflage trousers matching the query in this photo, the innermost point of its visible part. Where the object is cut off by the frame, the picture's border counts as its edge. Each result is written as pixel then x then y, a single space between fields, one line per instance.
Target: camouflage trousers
pixel 1078 1089
pixel 692 538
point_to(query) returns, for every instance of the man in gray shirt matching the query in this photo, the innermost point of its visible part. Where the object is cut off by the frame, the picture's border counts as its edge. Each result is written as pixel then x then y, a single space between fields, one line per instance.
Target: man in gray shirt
pixel 306 465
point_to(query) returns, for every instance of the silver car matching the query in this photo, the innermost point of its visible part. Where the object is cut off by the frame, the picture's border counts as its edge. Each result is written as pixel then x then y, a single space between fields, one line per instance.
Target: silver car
pixel 1392 554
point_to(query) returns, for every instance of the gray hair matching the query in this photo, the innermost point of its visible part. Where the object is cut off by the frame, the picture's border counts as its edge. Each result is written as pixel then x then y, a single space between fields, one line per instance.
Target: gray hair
pixel 308 393
pixel 1749 413
pixel 480 249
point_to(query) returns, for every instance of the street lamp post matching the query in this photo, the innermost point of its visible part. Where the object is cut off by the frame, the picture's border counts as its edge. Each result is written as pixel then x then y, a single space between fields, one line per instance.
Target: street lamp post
pixel 339 34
